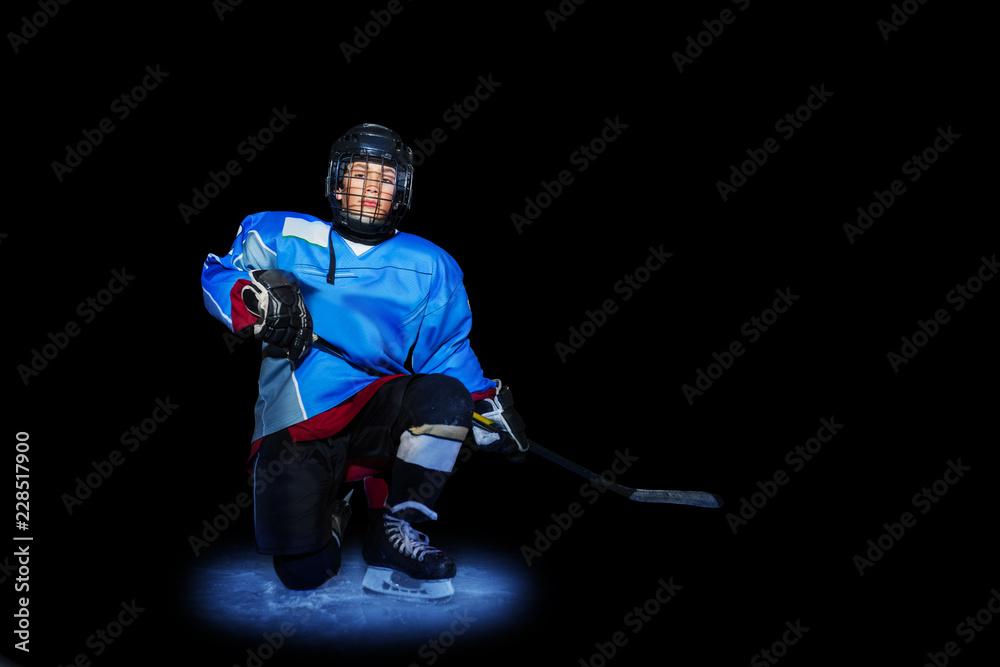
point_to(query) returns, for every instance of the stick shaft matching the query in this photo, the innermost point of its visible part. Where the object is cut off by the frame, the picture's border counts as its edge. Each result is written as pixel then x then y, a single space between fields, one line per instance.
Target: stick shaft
pixel 696 498
pixel 578 469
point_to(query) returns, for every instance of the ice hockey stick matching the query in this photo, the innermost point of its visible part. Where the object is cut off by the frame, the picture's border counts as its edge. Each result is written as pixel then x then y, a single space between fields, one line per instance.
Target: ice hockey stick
pixel 696 498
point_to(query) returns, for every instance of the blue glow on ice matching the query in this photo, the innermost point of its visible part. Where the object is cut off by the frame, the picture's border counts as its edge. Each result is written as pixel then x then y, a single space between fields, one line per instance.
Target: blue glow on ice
pixel 233 591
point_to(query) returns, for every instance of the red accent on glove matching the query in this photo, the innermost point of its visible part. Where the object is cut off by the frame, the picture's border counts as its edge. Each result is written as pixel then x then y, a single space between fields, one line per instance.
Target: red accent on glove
pixel 483 395
pixel 242 317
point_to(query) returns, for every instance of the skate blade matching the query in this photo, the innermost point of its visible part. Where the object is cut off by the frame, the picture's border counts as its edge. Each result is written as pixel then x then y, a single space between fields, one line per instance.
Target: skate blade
pixel 386 581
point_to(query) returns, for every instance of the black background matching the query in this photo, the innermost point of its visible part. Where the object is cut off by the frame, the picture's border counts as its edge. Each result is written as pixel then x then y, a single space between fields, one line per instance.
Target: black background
pixel 654 186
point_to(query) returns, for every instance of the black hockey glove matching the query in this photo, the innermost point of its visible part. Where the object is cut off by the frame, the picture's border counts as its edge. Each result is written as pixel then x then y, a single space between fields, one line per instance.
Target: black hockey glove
pixel 503 431
pixel 282 318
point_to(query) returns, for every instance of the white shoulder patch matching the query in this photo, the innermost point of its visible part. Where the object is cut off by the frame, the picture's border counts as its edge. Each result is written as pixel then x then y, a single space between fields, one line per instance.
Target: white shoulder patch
pixel 310 231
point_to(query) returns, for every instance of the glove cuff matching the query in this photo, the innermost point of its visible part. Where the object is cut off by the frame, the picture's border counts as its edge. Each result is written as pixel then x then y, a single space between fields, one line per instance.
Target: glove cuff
pixel 242 317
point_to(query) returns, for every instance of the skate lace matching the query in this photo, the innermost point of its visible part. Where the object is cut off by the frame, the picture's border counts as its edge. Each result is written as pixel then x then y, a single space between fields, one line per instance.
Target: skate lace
pixel 406 540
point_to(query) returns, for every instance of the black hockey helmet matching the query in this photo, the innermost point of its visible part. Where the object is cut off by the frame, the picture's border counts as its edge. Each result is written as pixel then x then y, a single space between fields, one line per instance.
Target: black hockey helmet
pixel 374 144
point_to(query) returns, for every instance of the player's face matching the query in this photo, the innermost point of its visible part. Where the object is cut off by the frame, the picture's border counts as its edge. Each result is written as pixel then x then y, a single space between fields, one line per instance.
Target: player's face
pixel 368 188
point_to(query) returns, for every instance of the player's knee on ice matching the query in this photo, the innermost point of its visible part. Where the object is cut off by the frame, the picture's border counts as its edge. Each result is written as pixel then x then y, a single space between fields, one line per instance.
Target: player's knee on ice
pixel 303 572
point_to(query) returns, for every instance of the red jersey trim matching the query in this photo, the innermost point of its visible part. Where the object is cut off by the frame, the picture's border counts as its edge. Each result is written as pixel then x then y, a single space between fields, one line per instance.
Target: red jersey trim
pixel 334 420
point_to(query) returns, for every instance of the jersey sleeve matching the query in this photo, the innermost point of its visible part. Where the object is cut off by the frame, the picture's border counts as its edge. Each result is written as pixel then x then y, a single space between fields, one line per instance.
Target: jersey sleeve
pixel 223 277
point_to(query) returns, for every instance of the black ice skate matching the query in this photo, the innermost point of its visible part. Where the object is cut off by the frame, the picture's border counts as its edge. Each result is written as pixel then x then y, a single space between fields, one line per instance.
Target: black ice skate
pixel 401 562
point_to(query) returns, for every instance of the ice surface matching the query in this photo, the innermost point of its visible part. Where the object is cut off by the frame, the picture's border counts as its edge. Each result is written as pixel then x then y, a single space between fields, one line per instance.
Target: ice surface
pixel 232 592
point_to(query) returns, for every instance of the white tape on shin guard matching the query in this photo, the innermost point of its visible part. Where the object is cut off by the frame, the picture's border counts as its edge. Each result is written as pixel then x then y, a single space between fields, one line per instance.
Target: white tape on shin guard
pixel 428 451
pixel 414 505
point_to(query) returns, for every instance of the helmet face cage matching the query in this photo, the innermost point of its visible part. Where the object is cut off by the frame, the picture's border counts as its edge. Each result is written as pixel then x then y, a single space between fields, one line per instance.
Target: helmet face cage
pixel 380 148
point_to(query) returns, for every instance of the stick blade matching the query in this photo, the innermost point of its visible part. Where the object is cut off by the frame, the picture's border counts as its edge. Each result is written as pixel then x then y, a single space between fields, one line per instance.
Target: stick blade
pixel 696 498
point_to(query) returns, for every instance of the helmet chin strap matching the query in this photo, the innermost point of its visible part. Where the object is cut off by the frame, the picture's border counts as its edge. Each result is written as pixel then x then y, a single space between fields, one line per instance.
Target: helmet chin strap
pixel 341 227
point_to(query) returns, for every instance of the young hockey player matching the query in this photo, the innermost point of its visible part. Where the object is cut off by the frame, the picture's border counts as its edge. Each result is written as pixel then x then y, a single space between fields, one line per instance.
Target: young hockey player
pixel 366 362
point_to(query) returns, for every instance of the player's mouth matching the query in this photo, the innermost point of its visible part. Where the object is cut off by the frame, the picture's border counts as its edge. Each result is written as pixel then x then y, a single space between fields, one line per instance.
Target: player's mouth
pixel 370 203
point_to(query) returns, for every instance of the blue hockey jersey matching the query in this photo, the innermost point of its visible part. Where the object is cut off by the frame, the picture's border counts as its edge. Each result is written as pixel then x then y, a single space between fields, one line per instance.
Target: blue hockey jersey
pixel 398 307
